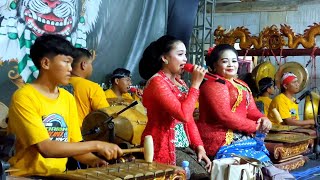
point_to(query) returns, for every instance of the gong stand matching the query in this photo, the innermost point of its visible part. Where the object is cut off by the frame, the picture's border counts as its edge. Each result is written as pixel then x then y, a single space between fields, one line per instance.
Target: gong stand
pixel 109 124
pixel 279 52
pixel 316 147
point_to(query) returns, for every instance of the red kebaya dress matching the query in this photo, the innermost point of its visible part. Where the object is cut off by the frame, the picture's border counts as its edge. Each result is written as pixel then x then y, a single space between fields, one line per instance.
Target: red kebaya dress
pixel 224 108
pixel 166 106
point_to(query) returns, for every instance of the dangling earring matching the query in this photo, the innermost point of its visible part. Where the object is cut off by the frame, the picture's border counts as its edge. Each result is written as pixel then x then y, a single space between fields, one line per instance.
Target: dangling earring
pixel 211 70
pixel 165 61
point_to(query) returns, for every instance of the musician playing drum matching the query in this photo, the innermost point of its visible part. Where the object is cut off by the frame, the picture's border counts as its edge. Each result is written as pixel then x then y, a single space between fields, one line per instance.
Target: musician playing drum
pixel 44 117
pixel 89 95
pixel 285 103
pixel 170 105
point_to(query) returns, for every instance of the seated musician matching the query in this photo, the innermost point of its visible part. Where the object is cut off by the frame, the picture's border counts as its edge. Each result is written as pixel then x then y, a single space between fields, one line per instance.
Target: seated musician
pixel 266 89
pixel 44 118
pixel 285 103
pixel 89 95
pixel 121 82
pixel 228 113
pixel 170 105
pixel 119 94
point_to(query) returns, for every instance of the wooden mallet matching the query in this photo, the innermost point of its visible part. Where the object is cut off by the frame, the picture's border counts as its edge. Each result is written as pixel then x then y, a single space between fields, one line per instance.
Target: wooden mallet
pixel 277 115
pixel 148 149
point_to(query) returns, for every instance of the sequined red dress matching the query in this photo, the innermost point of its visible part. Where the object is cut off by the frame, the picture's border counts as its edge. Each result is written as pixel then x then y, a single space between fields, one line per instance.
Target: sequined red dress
pixel 225 109
pixel 165 106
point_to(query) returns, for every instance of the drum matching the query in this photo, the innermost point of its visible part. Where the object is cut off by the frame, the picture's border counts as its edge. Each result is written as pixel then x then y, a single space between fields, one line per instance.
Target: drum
pixel 128 126
pixel 308 111
pixel 138 169
pixel 125 102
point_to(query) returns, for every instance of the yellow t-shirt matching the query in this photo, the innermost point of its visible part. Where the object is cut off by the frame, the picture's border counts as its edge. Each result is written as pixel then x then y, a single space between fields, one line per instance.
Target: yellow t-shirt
pixel 266 103
pixel 286 107
pixel 34 118
pixel 89 97
pixel 110 94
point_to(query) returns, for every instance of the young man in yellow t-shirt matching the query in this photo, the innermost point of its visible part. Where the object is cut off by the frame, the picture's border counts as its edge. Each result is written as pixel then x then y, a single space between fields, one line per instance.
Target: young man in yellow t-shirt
pixel 266 89
pixel 119 91
pixel 44 117
pixel 285 103
pixel 121 82
pixel 89 95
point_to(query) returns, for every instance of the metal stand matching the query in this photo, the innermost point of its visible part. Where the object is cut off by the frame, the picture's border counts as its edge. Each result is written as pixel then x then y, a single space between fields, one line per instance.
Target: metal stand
pixel 316 146
pixel 3 167
pixel 202 33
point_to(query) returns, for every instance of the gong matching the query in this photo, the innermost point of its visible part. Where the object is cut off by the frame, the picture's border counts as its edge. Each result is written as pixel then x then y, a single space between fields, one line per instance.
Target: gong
pixel 295 68
pixel 308 112
pixel 265 69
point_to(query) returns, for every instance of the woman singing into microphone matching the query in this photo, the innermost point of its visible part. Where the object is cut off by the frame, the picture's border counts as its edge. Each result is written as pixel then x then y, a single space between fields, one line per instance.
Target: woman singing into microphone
pixel 170 105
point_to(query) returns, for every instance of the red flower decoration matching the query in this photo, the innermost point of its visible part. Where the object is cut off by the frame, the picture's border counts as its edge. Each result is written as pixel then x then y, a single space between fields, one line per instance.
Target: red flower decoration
pixel 210 50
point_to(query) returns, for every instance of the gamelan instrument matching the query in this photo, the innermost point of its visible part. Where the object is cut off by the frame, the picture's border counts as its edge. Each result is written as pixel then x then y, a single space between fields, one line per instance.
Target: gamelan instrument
pixel 148 149
pixel 137 169
pixel 262 70
pixel 128 127
pixel 311 108
pixel 295 68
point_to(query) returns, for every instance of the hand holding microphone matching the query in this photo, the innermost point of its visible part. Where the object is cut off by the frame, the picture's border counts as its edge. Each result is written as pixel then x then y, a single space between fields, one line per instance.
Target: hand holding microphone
pixel 198 74
pixel 135 90
pixel 190 68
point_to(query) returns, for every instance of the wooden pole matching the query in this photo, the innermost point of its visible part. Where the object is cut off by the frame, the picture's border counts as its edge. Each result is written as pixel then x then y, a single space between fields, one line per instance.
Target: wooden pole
pixel 278 52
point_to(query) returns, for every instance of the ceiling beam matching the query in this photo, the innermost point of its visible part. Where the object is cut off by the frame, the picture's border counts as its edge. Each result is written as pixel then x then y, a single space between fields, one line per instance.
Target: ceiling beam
pixel 258 6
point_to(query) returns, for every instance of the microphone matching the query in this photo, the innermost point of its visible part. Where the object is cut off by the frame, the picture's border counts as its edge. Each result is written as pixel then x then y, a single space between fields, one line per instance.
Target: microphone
pixel 306 93
pixel 189 68
pixel 133 89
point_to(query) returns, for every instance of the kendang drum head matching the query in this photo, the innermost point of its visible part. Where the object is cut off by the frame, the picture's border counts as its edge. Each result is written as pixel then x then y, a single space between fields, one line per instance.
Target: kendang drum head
pixel 265 69
pixel 129 125
pixel 95 120
pixel 308 111
pixel 119 102
pixel 295 68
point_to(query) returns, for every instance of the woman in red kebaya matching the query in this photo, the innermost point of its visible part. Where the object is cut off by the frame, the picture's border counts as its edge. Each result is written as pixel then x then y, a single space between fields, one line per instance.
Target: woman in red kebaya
pixel 229 120
pixel 170 105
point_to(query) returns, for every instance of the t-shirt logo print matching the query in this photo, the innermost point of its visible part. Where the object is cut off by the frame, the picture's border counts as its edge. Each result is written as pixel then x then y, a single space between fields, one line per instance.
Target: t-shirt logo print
pixel 293 112
pixel 56 127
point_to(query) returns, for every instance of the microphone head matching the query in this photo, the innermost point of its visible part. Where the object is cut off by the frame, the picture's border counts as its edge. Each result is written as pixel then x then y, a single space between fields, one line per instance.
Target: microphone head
pixel 188 67
pixel 133 89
